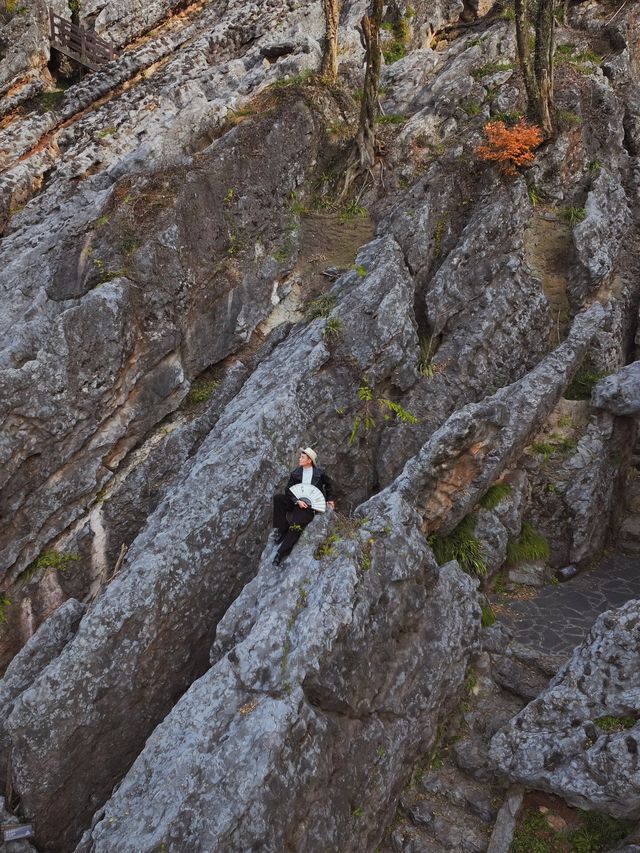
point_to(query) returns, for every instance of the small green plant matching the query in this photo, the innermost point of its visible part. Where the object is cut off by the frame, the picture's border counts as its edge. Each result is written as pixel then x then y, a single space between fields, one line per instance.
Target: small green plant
pixel 438 233
pixel 326 548
pixel 391 119
pixel 230 195
pixel 534 835
pixel 56 560
pixel 615 724
pixel 474 42
pixel 508 14
pixel 5 603
pixel 103 220
pixel 108 131
pixel 301 79
pixel 48 101
pixel 581 385
pixel 595 166
pixel 362 271
pixel 491 68
pixel 472 108
pixel 529 545
pixel 129 245
pixel 353 210
pixel 598 833
pixel 425 356
pixel 332 328
pixel 283 252
pixel 567 119
pixel 573 215
pixel 461 545
pixel 366 416
pixel 557 446
pixel 301 602
pixel 201 390
pixel 397 48
pixel 320 307
pixel 488 616
pixel 297 207
pixel 535 197
pixel 358 812
pixel 495 495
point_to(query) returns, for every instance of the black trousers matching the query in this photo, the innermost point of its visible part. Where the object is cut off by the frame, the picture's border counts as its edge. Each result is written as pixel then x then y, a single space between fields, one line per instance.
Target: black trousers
pixel 289 520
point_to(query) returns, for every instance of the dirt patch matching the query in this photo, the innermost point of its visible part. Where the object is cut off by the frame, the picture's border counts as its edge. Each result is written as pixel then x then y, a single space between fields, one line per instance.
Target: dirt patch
pixel 548 249
pixel 328 242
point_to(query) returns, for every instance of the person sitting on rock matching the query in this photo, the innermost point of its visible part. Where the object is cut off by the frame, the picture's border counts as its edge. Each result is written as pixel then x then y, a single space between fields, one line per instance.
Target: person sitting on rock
pixel 291 516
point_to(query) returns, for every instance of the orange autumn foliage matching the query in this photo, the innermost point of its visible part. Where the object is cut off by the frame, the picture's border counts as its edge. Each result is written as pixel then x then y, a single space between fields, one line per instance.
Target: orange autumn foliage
pixel 510 146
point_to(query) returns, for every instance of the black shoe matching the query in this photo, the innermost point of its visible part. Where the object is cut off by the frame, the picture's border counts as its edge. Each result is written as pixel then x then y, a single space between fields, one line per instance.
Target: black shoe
pixel 278 536
pixel 277 560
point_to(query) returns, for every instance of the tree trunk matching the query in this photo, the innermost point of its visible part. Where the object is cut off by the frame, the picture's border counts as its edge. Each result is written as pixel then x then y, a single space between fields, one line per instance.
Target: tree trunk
pixel 329 67
pixel 543 63
pixel 524 55
pixel 366 138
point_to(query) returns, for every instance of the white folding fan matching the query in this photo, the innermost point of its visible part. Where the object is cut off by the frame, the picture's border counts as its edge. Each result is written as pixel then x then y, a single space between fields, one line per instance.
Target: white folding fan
pixel 310 495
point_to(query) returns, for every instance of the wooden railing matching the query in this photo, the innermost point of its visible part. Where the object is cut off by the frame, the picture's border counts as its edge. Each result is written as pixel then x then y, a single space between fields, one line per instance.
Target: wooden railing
pixel 79 44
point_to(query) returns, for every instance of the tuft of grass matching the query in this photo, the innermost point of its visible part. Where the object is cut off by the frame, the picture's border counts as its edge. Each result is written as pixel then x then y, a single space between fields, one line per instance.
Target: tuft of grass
pixel 332 328
pixel 534 835
pixel 573 215
pixel 491 68
pixel 353 210
pixel 49 101
pixel 581 385
pixel 488 616
pixel 460 545
pixel 326 548
pixel 472 108
pixel 320 307
pixel 129 245
pixel 529 545
pixel 567 119
pixel 425 357
pixel 201 390
pixel 535 196
pixel 391 119
pixel 361 270
pixel 495 495
pixel 5 603
pixel 556 447
pixel 598 833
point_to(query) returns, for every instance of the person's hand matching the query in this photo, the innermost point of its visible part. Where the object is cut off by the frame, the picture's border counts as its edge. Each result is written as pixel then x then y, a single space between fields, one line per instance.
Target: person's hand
pixel 331 504
pixel 303 505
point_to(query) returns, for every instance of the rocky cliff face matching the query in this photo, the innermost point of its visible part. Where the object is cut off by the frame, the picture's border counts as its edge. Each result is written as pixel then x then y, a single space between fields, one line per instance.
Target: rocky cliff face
pixel 168 341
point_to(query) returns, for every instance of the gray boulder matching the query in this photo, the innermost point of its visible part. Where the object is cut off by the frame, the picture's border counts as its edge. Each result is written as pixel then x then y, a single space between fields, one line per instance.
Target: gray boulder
pixel 328 679
pixel 600 235
pixel 579 738
pixel 43 647
pixel 145 637
pixel 619 393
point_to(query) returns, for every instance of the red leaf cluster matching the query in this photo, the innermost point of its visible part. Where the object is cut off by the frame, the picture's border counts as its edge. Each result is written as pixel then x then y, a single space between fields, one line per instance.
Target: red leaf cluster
pixel 510 147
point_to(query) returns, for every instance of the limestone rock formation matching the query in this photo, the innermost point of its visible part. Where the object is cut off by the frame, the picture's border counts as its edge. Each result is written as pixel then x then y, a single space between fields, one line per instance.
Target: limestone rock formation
pixel 172 327
pixel 327 677
pixel 43 647
pixel 579 738
pixel 619 393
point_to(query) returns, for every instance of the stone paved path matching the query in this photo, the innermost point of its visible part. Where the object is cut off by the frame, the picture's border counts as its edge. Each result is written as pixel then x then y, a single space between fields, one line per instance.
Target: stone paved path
pixel 557 619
